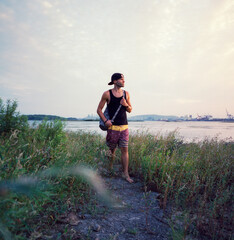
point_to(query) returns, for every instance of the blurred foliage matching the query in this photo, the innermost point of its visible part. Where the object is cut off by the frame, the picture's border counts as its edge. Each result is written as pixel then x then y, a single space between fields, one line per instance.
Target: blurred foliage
pixel 28 198
pixel 39 177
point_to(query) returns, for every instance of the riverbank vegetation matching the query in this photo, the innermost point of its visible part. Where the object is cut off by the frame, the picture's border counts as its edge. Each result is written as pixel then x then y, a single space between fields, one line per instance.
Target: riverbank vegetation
pixel 36 186
pixel 196 178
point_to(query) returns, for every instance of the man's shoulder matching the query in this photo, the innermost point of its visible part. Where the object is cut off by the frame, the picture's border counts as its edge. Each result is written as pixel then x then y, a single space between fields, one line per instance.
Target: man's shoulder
pixel 107 91
pixel 126 93
pixel 106 94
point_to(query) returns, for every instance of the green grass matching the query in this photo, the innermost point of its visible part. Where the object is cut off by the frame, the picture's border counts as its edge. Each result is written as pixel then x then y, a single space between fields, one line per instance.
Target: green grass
pixel 195 177
pixel 37 179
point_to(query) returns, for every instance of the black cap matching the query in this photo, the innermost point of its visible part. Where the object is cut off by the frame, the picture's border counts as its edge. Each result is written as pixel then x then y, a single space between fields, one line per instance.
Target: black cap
pixel 114 77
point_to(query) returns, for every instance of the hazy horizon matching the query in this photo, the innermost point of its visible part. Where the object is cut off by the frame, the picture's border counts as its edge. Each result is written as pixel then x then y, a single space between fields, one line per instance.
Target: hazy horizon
pixel 57 57
pixel 129 115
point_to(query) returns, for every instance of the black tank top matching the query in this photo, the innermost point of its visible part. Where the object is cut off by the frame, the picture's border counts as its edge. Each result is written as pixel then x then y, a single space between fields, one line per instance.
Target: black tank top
pixel 121 118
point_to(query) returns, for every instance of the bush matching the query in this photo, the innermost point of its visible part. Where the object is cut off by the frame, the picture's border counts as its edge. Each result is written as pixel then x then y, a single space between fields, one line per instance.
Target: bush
pixel 37 182
pixel 10 119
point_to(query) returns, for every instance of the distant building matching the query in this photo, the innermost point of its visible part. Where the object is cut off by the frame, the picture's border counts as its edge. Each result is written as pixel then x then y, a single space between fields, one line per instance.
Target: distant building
pixel 204 117
pixel 229 116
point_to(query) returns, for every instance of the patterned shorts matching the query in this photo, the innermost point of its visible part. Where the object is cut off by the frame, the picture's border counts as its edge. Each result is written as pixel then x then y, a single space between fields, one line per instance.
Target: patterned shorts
pixel 117 135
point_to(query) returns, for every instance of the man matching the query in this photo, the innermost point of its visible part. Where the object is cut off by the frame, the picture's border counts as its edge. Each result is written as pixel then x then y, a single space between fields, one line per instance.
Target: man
pixel 117 133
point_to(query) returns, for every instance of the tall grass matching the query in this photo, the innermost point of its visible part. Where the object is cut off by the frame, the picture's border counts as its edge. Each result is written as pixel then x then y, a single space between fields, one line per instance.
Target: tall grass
pixel 32 197
pixel 196 177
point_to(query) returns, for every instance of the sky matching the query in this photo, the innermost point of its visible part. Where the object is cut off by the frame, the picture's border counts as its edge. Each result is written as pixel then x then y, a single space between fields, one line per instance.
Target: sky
pixel 57 57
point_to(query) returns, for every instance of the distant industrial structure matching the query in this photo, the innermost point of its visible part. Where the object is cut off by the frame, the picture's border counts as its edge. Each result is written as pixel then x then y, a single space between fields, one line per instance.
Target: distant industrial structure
pixel 208 117
pixel 229 116
pixel 204 117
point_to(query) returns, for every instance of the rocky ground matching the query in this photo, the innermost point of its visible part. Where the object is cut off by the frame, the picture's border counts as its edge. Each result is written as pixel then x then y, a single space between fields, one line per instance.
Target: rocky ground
pixel 139 218
pixel 138 215
pixel 124 211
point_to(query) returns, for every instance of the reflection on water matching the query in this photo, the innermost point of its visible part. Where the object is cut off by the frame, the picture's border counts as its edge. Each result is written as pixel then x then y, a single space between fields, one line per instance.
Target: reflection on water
pixel 189 131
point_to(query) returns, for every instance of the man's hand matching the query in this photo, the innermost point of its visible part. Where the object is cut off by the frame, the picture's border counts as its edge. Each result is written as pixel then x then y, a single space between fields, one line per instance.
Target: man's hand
pixel 123 102
pixel 108 123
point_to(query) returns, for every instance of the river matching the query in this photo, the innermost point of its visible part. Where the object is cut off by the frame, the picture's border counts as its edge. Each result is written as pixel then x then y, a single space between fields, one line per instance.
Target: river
pixel 188 131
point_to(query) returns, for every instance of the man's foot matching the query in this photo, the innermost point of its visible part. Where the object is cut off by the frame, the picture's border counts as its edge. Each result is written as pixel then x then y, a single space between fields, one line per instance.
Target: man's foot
pixel 127 178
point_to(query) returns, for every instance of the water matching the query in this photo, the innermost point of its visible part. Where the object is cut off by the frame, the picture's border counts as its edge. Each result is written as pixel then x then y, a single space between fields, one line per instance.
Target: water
pixel 189 131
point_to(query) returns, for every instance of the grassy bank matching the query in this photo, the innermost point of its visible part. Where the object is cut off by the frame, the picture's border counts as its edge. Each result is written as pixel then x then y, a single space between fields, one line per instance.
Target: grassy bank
pixel 36 181
pixel 196 178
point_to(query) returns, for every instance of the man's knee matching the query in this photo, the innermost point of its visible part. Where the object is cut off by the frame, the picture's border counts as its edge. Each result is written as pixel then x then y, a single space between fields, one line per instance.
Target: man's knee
pixel 124 150
pixel 112 150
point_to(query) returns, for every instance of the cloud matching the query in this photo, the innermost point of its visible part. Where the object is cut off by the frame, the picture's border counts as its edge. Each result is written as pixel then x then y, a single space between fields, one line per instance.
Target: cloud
pixel 13 83
pixel 46 4
pixel 6 16
pixel 172 52
pixel 187 101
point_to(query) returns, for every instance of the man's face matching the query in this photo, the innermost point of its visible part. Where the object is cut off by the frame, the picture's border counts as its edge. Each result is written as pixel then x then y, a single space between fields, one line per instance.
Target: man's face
pixel 120 82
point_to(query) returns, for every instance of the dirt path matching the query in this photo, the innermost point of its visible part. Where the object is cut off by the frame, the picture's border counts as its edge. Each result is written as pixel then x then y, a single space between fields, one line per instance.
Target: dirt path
pixel 140 218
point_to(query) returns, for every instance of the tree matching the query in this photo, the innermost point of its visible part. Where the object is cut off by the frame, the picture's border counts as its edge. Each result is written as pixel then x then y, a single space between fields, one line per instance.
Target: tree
pixel 10 119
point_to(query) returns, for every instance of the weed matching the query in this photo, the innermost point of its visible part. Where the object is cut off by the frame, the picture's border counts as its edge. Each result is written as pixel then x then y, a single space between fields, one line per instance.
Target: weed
pixel 132 231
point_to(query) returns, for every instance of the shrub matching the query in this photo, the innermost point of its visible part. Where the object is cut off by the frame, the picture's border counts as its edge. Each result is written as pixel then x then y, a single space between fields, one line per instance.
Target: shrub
pixel 10 119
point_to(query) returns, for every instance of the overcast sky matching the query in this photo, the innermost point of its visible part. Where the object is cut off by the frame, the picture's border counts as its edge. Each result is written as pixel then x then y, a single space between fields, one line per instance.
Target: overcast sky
pixel 56 57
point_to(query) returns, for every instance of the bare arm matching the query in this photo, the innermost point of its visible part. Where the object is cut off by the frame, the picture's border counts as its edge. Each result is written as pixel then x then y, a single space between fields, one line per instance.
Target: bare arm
pixel 126 103
pixel 105 99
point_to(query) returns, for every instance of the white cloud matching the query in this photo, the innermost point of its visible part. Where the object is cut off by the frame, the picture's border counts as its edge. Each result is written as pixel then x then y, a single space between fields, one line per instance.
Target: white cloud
pixel 172 52
pixel 187 101
pixel 46 4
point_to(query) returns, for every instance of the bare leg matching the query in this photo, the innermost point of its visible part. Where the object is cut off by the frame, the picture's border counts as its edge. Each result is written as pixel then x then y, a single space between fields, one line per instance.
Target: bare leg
pixel 111 158
pixel 125 161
